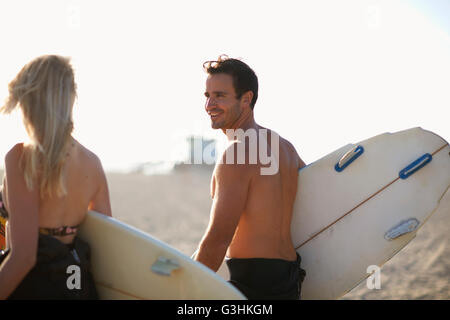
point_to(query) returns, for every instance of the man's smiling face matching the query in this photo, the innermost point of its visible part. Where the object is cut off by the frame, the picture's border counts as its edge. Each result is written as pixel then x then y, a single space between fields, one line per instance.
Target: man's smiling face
pixel 221 104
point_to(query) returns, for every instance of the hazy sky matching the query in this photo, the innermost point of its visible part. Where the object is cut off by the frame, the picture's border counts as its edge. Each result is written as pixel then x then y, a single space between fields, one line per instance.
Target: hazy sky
pixel 330 72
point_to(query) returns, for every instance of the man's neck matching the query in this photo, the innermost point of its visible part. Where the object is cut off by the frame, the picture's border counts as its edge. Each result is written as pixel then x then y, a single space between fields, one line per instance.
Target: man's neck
pixel 245 121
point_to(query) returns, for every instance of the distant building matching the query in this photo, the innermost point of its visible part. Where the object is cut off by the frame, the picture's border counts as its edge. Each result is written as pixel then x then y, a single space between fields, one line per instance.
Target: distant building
pixel 201 153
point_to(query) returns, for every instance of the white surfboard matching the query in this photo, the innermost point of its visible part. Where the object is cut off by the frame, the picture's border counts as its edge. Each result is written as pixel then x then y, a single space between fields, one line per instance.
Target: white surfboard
pixel 360 205
pixel 130 264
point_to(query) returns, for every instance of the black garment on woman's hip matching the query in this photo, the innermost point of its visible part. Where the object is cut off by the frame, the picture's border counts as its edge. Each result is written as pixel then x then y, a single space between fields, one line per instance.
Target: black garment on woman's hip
pixel 49 278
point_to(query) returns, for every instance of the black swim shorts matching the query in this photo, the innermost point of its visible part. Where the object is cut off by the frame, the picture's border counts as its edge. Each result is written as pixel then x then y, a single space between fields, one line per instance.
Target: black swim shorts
pixel 267 279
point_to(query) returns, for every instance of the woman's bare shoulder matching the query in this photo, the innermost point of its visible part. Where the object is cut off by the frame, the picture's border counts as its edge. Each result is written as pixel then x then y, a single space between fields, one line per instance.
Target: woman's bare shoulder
pixel 12 157
pixel 89 159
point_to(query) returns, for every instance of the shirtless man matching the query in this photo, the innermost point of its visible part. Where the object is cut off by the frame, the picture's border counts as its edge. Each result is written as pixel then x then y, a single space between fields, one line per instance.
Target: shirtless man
pixel 250 218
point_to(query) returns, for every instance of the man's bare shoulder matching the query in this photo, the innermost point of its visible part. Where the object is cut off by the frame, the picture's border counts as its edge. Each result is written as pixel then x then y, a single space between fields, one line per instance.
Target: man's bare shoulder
pixel 234 161
pixel 290 147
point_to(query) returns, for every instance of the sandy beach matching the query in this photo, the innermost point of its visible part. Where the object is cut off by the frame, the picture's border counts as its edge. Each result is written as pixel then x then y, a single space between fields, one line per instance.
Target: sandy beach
pixel 175 208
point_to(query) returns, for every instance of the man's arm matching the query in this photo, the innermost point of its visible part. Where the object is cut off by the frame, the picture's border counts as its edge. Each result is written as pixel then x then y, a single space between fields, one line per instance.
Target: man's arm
pixel 232 182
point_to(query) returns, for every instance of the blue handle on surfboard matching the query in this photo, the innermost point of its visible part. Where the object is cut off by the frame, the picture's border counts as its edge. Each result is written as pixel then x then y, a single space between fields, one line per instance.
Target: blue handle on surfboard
pixel 348 158
pixel 415 166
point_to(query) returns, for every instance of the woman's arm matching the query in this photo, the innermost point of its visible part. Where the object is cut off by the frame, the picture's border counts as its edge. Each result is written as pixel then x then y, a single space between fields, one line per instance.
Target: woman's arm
pixel 23 224
pixel 100 202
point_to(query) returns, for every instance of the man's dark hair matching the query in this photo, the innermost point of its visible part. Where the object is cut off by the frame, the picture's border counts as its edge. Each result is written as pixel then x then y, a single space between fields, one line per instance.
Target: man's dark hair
pixel 244 78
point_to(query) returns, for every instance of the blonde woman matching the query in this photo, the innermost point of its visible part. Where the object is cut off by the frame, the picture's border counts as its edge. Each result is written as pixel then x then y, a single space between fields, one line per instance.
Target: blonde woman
pixel 50 183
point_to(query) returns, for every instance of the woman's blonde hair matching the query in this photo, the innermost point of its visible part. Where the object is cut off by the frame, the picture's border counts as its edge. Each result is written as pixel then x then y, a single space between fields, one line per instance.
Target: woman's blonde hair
pixel 45 90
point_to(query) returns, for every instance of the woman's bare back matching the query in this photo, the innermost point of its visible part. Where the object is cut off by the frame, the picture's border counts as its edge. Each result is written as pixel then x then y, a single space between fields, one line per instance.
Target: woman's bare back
pixel 86 188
